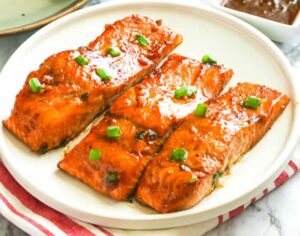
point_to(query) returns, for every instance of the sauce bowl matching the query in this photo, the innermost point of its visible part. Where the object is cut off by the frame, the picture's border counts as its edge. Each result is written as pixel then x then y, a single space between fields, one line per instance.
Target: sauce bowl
pixel 276 31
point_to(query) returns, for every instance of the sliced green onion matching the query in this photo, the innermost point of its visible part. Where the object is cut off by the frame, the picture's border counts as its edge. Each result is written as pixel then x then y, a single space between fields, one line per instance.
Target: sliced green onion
pixel 114 51
pixel 113 132
pixel 103 74
pixel 191 90
pixel 201 109
pixel 252 102
pixel 112 177
pixel 142 40
pixel 207 59
pixel 95 154
pixel 81 60
pixel 185 91
pixel 216 178
pixel 35 85
pixel 179 154
pixel 181 92
pixel 193 179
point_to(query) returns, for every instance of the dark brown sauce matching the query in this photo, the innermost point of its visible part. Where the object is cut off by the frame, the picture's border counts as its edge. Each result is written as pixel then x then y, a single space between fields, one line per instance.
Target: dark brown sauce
pixel 284 11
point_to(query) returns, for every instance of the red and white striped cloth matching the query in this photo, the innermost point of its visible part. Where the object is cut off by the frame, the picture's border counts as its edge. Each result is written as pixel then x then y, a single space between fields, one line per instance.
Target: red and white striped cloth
pixel 36 218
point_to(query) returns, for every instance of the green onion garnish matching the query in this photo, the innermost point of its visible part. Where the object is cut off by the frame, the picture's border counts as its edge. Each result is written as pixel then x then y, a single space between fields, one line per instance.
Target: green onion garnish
pixel 216 178
pixel 185 91
pixel 190 91
pixel 35 85
pixel 142 40
pixel 206 59
pixel 181 92
pixel 112 177
pixel 193 179
pixel 103 74
pixel 95 154
pixel 179 154
pixel 81 60
pixel 113 132
pixel 201 109
pixel 252 102
pixel 114 51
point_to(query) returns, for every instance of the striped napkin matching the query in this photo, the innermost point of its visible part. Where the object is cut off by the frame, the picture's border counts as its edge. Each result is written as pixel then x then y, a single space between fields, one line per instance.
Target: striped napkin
pixel 36 218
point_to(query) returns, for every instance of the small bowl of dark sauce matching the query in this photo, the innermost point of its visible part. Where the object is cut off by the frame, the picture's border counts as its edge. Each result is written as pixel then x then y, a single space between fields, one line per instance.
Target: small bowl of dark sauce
pixel 278 19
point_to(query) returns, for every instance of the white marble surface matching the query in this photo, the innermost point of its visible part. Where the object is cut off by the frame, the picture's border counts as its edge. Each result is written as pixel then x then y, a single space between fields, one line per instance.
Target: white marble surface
pixel 276 214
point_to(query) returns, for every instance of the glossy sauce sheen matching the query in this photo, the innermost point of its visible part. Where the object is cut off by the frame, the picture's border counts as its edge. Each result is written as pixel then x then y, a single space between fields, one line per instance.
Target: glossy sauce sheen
pixel 284 11
pixel 125 156
pixel 228 131
pixel 152 103
pixel 74 94
pixel 139 109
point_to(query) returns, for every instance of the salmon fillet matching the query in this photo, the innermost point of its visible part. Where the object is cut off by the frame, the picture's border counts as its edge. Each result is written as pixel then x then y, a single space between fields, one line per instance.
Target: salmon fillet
pixel 74 92
pixel 141 137
pixel 229 130
pixel 152 103
pixel 125 157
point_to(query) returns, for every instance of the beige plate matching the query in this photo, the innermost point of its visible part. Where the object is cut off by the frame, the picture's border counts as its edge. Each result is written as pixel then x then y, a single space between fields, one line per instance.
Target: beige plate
pixel 20 16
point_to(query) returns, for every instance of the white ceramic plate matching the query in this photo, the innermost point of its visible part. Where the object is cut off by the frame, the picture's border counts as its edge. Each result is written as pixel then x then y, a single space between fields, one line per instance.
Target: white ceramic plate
pixel 236 44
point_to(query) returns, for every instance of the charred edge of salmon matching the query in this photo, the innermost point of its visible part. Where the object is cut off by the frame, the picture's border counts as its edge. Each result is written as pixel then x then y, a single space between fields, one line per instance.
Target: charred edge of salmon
pixel 193 193
pixel 42 146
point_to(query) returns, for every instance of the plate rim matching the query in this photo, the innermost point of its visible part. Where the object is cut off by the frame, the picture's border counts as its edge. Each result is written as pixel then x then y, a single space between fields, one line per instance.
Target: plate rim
pixel 33 25
pixel 211 213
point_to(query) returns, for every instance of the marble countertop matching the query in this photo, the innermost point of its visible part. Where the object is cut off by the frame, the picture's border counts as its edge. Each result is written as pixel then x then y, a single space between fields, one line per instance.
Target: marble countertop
pixel 277 214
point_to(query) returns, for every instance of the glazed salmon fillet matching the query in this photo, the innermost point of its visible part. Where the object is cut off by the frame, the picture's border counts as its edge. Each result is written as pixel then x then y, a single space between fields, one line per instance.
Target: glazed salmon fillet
pixel 117 171
pixel 209 144
pixel 76 85
pixel 153 104
pixel 122 159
